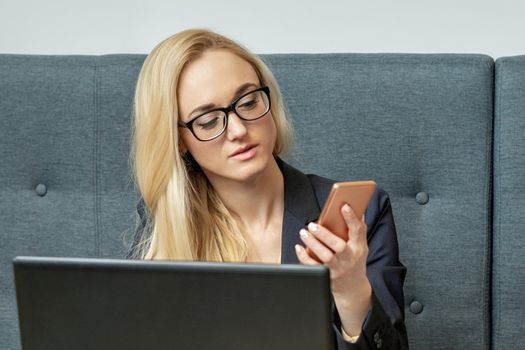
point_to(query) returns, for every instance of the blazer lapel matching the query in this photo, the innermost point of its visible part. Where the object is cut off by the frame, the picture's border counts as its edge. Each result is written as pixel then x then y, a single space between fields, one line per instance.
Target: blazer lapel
pixel 300 208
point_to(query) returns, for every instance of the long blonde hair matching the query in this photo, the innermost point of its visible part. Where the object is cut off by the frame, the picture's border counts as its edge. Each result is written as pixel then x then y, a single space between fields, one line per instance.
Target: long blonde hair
pixel 186 218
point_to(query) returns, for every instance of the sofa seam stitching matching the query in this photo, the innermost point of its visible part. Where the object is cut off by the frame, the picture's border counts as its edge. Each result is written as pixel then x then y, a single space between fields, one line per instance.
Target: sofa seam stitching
pixel 498 222
pixel 96 158
pixel 487 265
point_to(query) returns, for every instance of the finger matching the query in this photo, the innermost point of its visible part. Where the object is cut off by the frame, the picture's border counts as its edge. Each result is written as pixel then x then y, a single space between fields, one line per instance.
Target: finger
pixel 332 241
pixel 319 249
pixel 354 224
pixel 303 256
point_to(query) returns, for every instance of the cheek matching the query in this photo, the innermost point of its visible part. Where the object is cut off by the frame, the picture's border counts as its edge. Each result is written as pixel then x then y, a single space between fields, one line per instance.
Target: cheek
pixel 202 152
pixel 272 129
pixel 189 144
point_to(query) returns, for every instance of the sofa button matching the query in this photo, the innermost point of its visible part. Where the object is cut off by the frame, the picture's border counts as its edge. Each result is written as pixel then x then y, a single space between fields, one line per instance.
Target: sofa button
pixel 41 190
pixel 416 307
pixel 422 198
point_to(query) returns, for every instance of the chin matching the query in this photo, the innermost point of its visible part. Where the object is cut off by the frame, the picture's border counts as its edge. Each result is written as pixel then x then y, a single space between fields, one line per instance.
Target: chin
pixel 249 170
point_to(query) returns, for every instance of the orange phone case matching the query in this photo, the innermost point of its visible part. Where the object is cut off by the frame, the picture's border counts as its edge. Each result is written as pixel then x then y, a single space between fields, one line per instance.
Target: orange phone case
pixel 356 194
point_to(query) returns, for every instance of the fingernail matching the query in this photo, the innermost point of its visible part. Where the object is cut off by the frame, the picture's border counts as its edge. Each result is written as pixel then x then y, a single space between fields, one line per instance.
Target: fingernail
pixel 297 249
pixel 303 233
pixel 346 208
pixel 312 226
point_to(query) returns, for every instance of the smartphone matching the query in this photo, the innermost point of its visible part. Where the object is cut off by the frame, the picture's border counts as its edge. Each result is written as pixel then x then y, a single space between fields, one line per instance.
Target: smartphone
pixel 356 194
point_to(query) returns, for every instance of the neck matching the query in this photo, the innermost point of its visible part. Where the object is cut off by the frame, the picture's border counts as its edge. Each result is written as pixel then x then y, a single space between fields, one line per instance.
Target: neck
pixel 255 202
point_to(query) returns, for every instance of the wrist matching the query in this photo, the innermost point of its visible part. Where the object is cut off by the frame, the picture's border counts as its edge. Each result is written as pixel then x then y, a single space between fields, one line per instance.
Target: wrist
pixel 360 295
pixel 353 310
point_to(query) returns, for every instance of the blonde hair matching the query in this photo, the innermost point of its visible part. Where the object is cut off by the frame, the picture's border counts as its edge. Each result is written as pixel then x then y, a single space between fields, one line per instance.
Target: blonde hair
pixel 186 218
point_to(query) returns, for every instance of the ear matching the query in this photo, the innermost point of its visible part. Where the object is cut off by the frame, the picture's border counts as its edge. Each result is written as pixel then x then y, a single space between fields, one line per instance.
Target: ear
pixel 182 148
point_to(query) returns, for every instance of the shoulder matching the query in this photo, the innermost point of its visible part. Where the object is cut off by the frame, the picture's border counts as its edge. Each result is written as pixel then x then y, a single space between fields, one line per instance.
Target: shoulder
pixel 321 186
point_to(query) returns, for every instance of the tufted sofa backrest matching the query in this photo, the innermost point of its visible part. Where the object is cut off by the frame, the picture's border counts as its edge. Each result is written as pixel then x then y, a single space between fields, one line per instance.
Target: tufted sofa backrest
pixel 508 283
pixel 420 125
pixel 65 187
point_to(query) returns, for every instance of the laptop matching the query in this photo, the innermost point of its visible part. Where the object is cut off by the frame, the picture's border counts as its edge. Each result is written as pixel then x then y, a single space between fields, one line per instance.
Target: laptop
pixel 76 304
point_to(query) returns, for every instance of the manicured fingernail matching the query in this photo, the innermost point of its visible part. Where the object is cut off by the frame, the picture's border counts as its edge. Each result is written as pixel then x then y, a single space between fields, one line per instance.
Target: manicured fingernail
pixel 303 233
pixel 312 226
pixel 297 249
pixel 346 208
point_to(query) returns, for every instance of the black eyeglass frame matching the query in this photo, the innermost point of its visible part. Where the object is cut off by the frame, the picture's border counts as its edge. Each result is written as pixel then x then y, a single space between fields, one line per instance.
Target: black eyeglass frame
pixel 226 111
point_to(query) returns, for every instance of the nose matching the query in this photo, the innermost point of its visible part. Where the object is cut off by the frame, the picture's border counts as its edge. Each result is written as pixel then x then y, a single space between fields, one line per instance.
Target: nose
pixel 236 128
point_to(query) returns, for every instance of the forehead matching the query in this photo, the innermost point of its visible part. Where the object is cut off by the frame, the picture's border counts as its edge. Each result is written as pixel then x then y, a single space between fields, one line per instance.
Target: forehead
pixel 212 78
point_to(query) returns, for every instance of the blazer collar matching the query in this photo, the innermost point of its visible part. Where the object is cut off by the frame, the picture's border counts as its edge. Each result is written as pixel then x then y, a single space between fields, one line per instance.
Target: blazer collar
pixel 300 208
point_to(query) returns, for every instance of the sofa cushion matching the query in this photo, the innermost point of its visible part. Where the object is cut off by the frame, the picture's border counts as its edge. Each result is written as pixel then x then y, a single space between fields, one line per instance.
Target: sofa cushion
pixel 509 201
pixel 65 187
pixel 421 126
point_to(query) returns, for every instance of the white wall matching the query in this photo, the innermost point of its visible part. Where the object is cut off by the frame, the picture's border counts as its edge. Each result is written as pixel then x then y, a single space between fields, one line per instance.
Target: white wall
pixel 493 27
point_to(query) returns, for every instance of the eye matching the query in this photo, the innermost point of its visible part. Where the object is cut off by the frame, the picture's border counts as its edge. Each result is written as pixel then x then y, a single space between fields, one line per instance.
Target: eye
pixel 248 103
pixel 209 121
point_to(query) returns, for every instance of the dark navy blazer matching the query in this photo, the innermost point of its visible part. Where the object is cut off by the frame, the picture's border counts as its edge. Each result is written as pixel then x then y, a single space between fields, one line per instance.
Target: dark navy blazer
pixel 304 196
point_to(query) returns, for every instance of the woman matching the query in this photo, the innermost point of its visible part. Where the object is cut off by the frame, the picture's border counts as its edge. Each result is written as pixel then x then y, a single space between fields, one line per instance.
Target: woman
pixel 209 129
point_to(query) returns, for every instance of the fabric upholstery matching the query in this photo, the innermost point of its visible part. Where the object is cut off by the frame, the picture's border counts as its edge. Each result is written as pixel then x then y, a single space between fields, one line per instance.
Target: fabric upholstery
pixel 414 123
pixel 420 125
pixel 64 124
pixel 509 201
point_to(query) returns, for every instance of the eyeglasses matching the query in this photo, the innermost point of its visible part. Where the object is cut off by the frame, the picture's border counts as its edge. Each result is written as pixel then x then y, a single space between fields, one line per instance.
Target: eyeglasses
pixel 212 124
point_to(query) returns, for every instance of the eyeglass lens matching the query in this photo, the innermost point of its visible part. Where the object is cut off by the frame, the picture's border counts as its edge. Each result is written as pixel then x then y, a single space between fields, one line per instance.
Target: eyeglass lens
pixel 249 107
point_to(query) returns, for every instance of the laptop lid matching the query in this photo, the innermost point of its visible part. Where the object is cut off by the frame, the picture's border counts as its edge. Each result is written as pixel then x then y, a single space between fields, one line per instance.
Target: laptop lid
pixel 71 303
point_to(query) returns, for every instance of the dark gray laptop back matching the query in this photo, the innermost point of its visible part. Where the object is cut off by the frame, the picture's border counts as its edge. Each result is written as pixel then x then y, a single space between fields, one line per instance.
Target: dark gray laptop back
pixel 122 304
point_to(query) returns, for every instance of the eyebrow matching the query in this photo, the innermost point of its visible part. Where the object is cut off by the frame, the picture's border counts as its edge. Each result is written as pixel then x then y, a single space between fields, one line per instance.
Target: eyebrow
pixel 240 90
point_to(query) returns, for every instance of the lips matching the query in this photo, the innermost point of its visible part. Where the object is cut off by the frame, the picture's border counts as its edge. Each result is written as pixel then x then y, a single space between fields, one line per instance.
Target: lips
pixel 242 150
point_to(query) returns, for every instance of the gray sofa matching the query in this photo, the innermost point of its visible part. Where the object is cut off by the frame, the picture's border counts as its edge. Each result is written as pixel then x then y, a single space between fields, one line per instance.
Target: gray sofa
pixel 442 134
